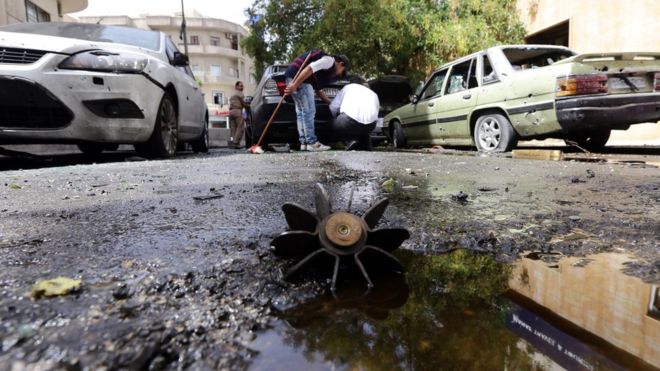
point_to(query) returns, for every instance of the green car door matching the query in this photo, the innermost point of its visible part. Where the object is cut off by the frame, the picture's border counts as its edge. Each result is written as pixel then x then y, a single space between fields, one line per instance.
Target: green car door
pixel 420 119
pixel 458 99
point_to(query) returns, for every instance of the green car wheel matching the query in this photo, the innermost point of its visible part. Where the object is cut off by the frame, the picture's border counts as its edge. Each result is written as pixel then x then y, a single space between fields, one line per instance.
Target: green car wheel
pixel 398 137
pixel 493 133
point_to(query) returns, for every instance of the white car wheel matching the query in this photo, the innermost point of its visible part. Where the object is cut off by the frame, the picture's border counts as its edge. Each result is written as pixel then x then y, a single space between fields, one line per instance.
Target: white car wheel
pixel 493 133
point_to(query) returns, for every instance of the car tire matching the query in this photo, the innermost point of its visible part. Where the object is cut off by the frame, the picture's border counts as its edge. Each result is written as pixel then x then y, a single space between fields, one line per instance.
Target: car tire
pixel 398 136
pixel 592 141
pixel 164 139
pixel 201 144
pixel 493 133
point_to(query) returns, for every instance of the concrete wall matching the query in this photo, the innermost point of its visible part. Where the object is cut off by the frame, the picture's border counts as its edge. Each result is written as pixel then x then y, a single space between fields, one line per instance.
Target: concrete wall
pixel 13 11
pixel 603 26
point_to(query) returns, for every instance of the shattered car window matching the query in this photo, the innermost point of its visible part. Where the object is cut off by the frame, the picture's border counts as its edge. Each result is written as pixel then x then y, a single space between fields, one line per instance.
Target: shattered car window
pixel 527 58
pixel 434 86
pixel 91 32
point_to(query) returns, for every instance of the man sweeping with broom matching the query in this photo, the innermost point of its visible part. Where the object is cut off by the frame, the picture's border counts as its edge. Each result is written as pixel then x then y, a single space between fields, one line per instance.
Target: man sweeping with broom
pixel 320 70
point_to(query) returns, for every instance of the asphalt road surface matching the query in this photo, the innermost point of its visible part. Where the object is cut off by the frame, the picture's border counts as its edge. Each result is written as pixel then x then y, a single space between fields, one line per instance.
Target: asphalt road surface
pixel 174 259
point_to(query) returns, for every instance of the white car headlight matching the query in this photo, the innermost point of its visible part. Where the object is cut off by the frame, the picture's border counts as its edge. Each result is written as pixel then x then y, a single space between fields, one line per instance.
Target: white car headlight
pixel 100 60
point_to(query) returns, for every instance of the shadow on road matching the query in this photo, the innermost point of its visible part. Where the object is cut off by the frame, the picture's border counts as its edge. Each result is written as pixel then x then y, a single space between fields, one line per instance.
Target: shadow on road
pixel 18 160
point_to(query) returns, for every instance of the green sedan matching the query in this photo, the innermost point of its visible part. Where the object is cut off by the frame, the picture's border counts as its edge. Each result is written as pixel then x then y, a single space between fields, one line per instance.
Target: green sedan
pixel 493 98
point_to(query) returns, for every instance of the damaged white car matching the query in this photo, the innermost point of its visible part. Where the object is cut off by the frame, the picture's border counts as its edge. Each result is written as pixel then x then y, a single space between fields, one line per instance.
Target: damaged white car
pixel 98 86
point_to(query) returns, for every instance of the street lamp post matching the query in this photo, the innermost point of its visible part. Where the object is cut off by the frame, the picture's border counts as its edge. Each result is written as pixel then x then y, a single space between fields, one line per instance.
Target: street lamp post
pixel 184 34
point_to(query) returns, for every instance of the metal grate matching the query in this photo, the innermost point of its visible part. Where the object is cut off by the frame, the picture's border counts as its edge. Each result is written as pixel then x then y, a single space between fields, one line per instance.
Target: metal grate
pixel 24 104
pixel 20 56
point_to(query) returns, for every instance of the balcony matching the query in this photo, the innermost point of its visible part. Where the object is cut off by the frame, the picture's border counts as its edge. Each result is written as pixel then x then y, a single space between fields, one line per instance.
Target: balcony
pixel 212 50
pixel 223 80
pixel 194 49
pixel 71 6
pixel 163 21
pixel 192 23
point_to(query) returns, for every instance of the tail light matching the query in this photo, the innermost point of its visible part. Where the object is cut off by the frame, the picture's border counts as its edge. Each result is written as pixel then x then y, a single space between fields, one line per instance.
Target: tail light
pixel 280 87
pixel 270 88
pixel 656 82
pixel 581 84
pixel 273 87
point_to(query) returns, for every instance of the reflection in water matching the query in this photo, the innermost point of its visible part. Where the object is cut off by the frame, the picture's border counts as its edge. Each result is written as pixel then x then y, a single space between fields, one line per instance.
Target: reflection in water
pixel 595 295
pixel 452 314
pixel 454 318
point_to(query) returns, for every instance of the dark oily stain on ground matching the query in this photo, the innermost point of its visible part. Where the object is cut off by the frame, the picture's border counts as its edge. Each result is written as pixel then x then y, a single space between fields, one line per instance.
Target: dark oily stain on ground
pixel 448 312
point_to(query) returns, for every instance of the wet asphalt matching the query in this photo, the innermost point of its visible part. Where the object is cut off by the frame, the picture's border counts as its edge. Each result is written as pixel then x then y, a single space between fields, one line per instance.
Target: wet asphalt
pixel 174 257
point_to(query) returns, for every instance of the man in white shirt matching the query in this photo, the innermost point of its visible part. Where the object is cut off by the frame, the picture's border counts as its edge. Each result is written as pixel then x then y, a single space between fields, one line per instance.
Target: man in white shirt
pixel 355 109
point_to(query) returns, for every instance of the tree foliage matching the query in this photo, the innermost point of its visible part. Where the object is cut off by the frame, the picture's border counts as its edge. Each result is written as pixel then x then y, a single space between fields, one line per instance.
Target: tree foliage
pixel 409 37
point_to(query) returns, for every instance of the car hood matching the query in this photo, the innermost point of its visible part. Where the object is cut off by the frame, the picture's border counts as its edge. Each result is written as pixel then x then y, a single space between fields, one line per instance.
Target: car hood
pixel 393 91
pixel 61 45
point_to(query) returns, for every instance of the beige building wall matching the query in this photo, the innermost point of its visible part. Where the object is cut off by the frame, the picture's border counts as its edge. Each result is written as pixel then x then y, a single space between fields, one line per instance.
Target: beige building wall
pixel 216 61
pixel 603 26
pixel 14 11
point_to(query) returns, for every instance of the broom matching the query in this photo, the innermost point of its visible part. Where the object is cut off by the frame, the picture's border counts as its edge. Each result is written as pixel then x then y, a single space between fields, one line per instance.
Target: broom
pixel 256 148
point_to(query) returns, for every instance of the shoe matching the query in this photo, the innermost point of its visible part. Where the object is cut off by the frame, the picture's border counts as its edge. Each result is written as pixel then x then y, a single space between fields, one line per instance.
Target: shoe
pixel 235 145
pixel 303 147
pixel 352 145
pixel 317 147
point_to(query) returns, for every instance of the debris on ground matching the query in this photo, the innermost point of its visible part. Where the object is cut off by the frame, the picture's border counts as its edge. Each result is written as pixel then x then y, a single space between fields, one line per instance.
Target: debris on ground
pixel 388 184
pixel 57 286
pixel 574 235
pixel 437 149
pixel 460 197
pixel 537 154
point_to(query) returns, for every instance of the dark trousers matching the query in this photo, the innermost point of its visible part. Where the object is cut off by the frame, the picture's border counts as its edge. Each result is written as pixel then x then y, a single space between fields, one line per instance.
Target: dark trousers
pixel 350 130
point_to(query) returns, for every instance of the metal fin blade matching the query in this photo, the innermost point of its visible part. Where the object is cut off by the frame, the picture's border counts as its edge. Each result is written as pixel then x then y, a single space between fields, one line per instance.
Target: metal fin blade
pixel 374 253
pixel 322 200
pixel 375 212
pixel 307 260
pixel 295 243
pixel 298 218
pixel 388 239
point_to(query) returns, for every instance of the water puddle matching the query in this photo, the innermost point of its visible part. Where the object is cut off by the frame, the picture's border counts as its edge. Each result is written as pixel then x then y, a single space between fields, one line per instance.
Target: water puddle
pixel 591 295
pixel 457 311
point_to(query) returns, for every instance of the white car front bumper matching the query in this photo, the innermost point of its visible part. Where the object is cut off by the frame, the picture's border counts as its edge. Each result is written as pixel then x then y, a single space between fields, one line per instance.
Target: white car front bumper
pixel 41 103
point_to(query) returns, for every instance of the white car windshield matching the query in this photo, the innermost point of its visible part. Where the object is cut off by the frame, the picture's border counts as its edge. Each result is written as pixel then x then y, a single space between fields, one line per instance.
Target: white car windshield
pixel 91 32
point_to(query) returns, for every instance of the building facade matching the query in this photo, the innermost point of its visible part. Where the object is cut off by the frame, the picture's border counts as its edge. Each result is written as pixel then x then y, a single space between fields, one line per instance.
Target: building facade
pixel 598 26
pixel 214 48
pixel 18 11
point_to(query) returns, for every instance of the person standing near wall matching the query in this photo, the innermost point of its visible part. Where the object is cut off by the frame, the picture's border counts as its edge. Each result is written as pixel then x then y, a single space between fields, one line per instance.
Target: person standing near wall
pixel 236 120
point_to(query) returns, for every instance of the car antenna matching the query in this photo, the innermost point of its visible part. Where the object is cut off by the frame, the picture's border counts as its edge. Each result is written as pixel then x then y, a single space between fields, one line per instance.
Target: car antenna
pixel 101 19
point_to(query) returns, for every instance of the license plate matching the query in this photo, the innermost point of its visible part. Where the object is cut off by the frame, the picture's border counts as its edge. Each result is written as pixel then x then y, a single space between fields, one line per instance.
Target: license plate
pixel 331 92
pixel 618 83
pixel 379 123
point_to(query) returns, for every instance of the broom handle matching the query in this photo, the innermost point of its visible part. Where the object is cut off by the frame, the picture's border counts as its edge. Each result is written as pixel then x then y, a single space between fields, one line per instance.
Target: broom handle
pixel 277 108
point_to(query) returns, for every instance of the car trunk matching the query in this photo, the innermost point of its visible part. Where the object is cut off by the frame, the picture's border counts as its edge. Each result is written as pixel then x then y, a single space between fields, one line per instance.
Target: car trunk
pixel 625 73
pixel 393 92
